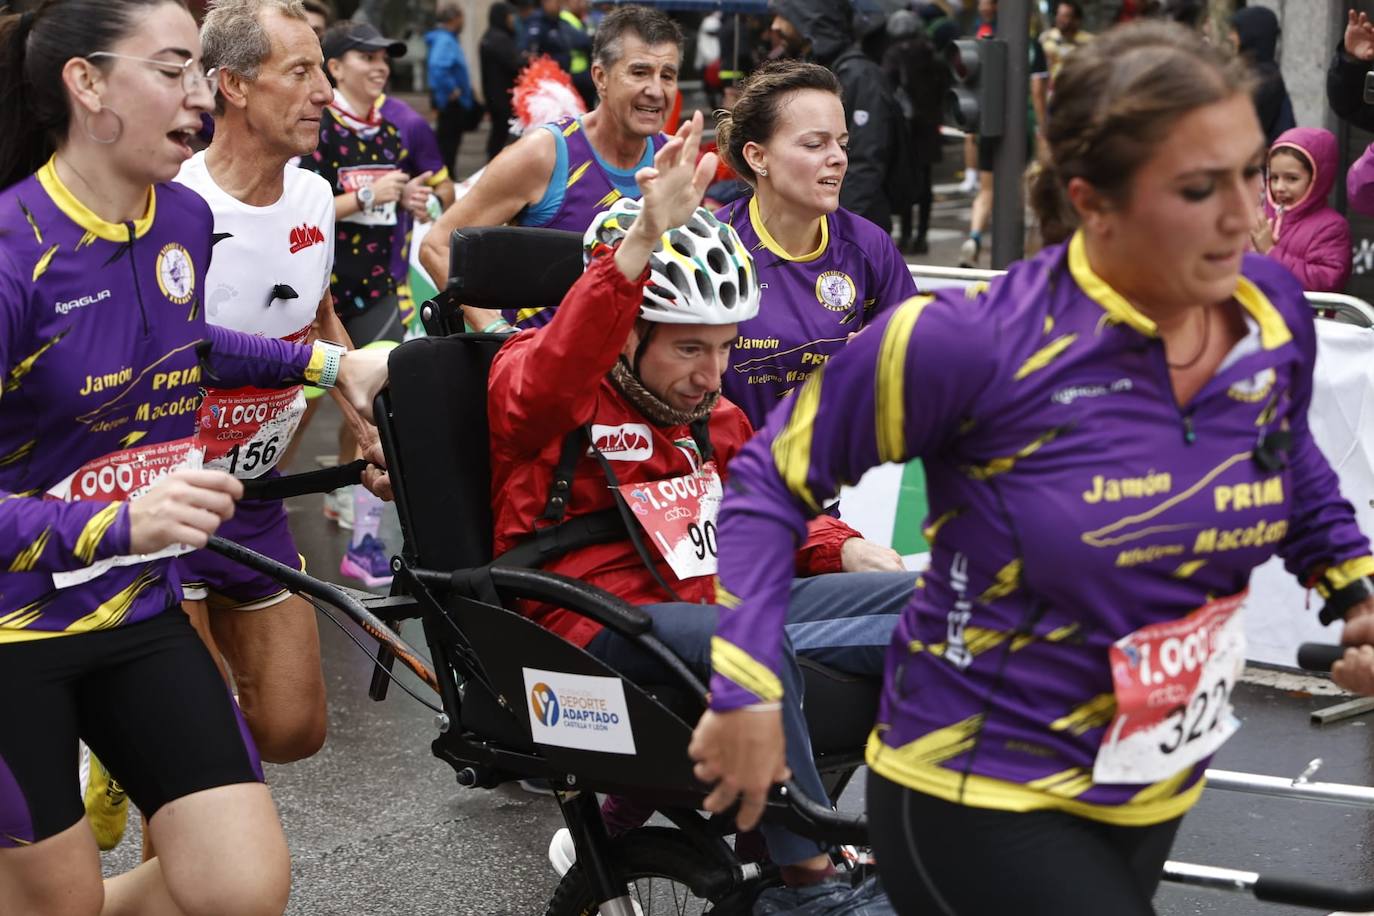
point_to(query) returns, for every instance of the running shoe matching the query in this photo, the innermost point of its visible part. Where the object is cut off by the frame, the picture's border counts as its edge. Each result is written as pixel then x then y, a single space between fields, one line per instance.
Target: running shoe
pixel 562 854
pixel 969 251
pixel 970 183
pixel 338 507
pixel 107 804
pixel 367 561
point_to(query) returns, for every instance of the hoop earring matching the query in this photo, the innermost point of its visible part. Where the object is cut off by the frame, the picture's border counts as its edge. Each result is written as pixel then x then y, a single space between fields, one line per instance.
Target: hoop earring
pixel 119 127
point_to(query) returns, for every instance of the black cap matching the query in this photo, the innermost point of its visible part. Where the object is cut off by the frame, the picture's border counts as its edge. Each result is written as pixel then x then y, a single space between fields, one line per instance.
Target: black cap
pixel 360 36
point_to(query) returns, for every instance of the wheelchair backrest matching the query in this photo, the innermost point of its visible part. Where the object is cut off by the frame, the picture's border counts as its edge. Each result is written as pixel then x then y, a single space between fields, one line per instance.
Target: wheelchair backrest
pixel 434 430
pixel 434 417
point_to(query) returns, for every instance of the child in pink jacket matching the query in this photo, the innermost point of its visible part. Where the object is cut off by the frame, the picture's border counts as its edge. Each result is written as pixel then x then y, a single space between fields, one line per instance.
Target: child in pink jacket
pixel 1295 226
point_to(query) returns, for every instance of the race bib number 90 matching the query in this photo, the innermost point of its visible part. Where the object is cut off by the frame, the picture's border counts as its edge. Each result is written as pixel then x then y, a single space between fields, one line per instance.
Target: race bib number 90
pixel 1173 684
pixel 679 515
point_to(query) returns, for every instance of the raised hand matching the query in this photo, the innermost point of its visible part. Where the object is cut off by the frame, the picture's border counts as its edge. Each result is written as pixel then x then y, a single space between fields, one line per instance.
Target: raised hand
pixel 673 186
pixel 1359 36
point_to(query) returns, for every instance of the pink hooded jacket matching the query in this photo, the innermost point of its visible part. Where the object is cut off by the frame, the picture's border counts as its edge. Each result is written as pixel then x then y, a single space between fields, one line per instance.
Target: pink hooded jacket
pixel 1311 239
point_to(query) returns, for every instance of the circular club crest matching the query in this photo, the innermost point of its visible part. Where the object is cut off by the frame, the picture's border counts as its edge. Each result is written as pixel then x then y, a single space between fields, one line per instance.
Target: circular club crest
pixel 835 290
pixel 175 275
pixel 1254 389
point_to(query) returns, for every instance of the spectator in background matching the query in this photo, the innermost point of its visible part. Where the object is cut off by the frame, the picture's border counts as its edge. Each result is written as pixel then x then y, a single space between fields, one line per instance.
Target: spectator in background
pixel 526 11
pixel 1345 94
pixel 920 80
pixel 981 212
pixel 573 26
pixel 500 61
pixel 820 30
pixel 1255 33
pixel 1295 226
pixel 1067 34
pixel 707 57
pixel 450 86
pixel 320 15
pixel 544 34
pixel 1346 73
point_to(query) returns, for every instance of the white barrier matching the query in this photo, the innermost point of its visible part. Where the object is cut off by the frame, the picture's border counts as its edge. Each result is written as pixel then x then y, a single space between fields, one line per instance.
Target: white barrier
pixel 888 504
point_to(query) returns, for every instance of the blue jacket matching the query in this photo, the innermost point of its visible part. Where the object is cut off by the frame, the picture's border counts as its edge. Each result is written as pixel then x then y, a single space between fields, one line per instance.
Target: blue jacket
pixel 447 69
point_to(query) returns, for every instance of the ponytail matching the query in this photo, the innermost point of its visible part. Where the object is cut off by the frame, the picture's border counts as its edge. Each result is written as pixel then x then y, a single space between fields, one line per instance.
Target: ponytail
pixel 22 148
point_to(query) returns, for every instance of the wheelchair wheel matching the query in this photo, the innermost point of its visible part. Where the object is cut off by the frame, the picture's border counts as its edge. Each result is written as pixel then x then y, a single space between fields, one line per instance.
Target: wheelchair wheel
pixel 666 874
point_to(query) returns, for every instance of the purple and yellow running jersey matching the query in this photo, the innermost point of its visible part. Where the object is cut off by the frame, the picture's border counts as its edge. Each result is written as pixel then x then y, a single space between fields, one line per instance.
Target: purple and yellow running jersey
pixel 581 186
pixel 99 324
pixel 810 304
pixel 1073 501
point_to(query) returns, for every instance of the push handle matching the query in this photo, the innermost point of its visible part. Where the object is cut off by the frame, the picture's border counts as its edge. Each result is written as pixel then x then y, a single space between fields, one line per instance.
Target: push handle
pixel 1302 892
pixel 1317 656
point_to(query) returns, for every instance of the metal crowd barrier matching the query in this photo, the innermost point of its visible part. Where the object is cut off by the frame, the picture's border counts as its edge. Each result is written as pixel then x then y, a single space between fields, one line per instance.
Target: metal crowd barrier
pixel 1341 307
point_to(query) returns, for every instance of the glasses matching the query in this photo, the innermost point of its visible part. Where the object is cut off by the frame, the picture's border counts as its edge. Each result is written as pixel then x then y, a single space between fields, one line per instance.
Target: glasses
pixel 192 77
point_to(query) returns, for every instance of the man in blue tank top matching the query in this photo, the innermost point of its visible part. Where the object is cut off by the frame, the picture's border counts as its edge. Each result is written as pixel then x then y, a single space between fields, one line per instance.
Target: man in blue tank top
pixel 563 174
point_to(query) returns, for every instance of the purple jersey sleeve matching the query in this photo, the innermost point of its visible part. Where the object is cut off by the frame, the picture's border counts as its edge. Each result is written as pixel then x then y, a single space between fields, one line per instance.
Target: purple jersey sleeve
pixel 859 411
pixel 46 535
pixel 238 359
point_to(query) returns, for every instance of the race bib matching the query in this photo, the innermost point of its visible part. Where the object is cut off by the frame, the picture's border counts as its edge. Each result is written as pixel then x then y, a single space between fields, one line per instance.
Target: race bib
pixel 679 515
pixel 1173 684
pixel 121 476
pixel 353 177
pixel 245 431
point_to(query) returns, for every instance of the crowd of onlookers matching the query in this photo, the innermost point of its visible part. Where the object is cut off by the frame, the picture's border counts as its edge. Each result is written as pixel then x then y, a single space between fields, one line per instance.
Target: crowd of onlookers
pixel 893 71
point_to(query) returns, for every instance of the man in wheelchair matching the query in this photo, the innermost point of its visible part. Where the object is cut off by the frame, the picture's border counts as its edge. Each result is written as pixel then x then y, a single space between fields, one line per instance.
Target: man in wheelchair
pixel 609 444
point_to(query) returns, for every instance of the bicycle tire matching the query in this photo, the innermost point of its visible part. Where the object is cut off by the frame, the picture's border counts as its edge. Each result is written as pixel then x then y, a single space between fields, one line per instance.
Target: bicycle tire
pixel 649 853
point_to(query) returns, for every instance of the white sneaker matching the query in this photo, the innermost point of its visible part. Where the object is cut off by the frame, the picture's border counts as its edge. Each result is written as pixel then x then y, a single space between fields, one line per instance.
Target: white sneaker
pixel 969 251
pixel 562 854
pixel 338 507
pixel 970 183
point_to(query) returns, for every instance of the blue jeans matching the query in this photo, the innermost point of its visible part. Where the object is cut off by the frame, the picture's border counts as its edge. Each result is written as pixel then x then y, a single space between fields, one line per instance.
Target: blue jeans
pixel 843 620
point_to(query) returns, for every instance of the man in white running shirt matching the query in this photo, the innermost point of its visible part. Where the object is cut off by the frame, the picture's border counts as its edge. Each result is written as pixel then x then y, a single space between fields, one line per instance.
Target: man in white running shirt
pixel 269 275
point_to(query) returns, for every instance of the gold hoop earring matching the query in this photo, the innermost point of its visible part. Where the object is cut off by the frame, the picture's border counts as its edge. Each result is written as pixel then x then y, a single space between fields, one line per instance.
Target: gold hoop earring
pixel 118 132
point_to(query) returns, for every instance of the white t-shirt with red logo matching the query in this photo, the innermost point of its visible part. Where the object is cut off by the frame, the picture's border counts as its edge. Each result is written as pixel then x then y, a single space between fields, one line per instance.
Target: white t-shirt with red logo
pixel 269 269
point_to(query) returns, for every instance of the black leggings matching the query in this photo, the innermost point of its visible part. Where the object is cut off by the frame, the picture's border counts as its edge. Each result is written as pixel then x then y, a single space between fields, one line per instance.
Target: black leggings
pixel 145 696
pixel 936 858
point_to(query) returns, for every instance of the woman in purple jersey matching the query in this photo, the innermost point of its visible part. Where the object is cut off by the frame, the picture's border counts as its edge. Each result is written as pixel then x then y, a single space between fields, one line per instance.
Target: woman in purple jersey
pixel 1085 424
pixel 102 264
pixel 826 272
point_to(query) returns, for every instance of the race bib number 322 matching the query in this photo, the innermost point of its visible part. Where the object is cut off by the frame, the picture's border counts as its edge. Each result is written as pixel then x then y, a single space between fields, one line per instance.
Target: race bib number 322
pixel 1173 684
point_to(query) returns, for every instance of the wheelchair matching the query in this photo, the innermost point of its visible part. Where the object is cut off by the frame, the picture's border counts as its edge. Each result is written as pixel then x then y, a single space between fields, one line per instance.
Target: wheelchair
pixel 489 661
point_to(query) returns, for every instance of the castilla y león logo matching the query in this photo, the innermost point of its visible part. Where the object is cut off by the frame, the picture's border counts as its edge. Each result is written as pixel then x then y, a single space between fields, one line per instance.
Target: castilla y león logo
pixel 544 702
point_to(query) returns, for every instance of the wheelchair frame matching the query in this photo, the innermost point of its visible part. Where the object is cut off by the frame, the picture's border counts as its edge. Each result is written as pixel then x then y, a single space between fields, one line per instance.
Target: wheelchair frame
pixel 481 649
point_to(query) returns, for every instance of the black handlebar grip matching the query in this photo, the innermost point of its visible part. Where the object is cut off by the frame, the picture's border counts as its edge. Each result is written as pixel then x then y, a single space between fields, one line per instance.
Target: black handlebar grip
pixel 1301 892
pixel 1316 656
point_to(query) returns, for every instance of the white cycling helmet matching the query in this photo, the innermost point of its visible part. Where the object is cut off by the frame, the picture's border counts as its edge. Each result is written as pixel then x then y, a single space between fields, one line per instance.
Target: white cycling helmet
pixel 699 272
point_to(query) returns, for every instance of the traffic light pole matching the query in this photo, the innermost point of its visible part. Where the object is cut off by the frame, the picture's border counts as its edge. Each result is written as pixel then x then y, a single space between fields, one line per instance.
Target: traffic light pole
pixel 1008 206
